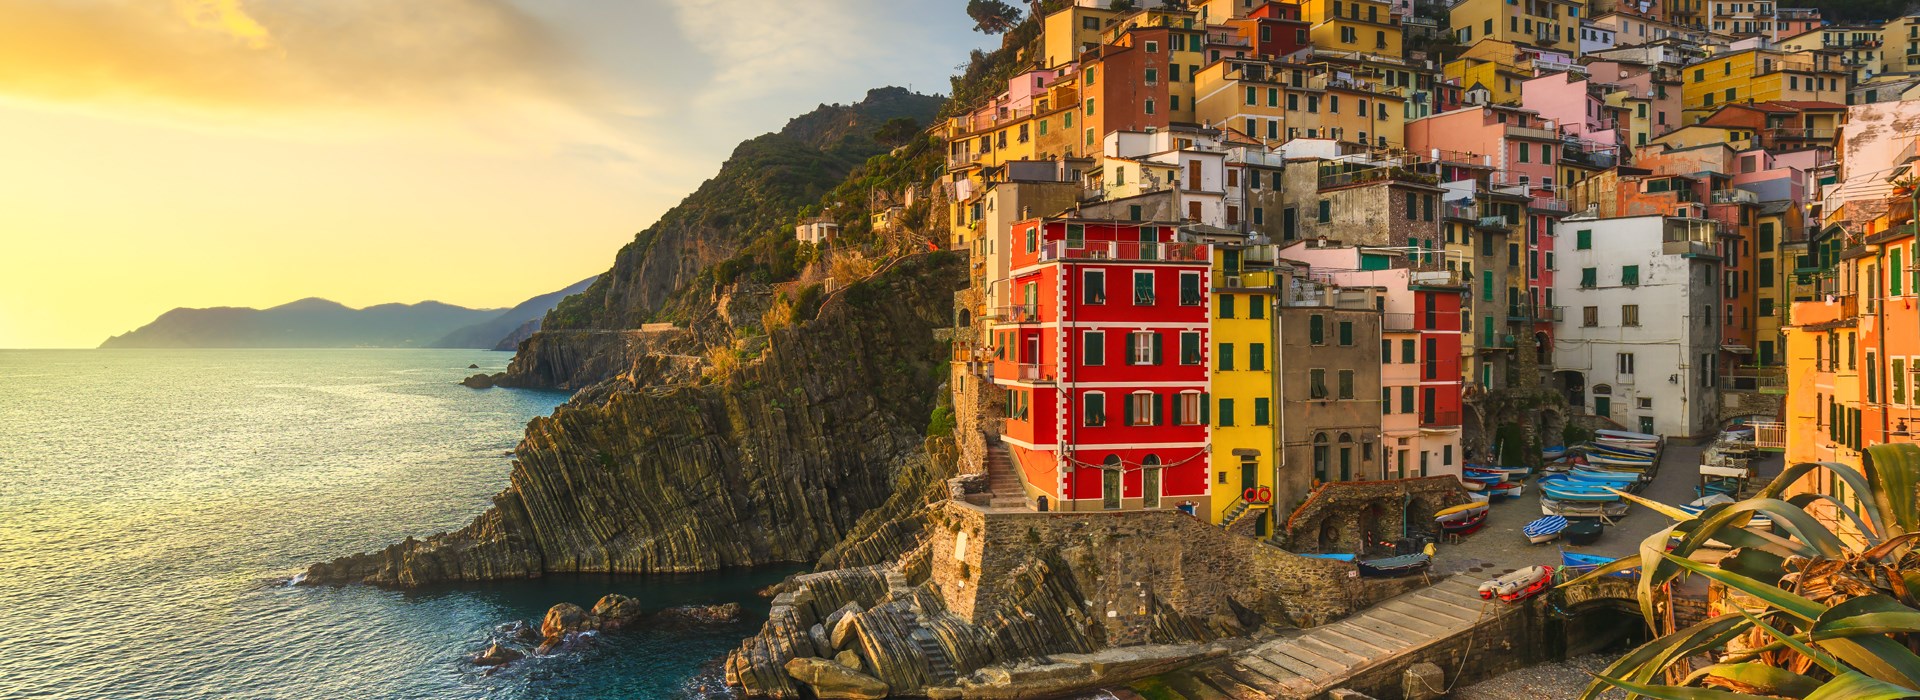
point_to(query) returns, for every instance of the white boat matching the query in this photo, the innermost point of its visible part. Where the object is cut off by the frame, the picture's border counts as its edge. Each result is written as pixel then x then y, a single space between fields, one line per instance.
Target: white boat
pixel 1546 529
pixel 1519 584
pixel 1606 434
pixel 1613 509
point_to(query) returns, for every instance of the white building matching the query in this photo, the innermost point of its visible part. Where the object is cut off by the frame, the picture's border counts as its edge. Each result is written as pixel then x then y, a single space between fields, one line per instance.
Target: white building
pixel 1595 37
pixel 1637 343
pixel 817 230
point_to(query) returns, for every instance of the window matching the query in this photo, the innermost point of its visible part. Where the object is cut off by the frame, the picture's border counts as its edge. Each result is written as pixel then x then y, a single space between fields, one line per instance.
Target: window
pixel 1590 316
pixel 1190 348
pixel 1261 409
pixel 1093 409
pixel 1623 363
pixel 1406 351
pixel 1346 333
pixel 1226 412
pixel 1899 381
pixel 1143 348
pixel 1583 239
pixel 1386 400
pixel 1316 383
pixel 1143 408
pixel 1190 409
pixel 1257 357
pixel 1589 277
pixel 1630 314
pixel 1320 456
pixel 1226 303
pixel 1317 330
pixel 1326 211
pixel 1225 361
pixel 1093 348
pixel 1346 384
pixel 1386 352
pixel 1093 287
pixel 1630 275
pixel 1190 289
pixel 1143 288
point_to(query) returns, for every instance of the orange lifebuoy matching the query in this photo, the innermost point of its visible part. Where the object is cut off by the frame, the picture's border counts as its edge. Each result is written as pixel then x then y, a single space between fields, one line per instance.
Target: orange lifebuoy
pixel 1266 494
pixel 1249 495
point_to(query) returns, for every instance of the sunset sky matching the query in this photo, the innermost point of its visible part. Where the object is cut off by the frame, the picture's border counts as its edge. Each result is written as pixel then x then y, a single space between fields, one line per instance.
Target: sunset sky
pixel 163 153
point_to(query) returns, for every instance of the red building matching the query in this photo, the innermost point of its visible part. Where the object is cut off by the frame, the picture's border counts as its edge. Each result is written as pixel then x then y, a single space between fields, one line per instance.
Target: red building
pixel 1275 29
pixel 1104 361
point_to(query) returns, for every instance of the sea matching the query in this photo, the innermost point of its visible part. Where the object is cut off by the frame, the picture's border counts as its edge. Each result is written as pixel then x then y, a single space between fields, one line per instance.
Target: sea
pixel 155 504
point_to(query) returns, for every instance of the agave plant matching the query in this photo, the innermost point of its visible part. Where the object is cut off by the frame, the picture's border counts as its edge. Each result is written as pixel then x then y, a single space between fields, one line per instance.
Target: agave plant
pixel 1823 614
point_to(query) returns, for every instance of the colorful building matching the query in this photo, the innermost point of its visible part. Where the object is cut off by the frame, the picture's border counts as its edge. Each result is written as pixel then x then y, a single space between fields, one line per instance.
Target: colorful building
pixel 1104 358
pixel 1761 75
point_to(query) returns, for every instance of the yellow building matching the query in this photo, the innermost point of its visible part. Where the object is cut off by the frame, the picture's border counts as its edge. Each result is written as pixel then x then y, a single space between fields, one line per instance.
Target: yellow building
pixel 1773 268
pixel 1550 24
pixel 1242 376
pixel 1347 109
pixel 1366 26
pixel 1494 65
pixel 1071 31
pixel 1245 95
pixel 1761 75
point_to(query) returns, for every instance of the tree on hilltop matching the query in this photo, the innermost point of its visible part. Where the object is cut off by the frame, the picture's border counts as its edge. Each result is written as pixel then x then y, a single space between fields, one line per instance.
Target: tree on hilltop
pixel 992 16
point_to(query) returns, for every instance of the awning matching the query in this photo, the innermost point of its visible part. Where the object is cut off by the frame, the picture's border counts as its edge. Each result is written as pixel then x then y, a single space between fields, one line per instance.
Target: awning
pixel 1737 349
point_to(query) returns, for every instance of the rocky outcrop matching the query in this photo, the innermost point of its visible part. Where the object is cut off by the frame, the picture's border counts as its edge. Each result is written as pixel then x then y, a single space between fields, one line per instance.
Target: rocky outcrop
pixel 773 464
pixel 577 359
pixel 705 614
pixel 497 655
pixel 832 681
pixel 480 381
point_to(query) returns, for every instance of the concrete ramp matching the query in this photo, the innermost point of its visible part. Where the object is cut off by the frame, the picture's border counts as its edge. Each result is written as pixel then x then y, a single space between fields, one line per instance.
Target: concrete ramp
pixel 1381 639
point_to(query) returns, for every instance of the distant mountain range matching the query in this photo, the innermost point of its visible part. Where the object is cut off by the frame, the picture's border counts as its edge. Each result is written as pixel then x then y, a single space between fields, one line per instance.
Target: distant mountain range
pixel 319 323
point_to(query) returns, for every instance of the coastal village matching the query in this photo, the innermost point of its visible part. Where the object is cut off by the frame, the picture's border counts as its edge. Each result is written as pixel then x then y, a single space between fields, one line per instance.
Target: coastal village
pixel 1274 306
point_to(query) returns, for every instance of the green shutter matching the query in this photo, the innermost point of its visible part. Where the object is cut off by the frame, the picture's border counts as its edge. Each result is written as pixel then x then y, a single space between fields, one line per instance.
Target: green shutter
pixel 1346 332
pixel 1205 401
pixel 1316 330
pixel 1159 416
pixel 1175 399
pixel 1156 349
pixel 1260 411
pixel 1257 357
pixel 1630 275
pixel 1588 277
pixel 1583 239
pixel 1893 265
pixel 1486 285
pixel 1126 406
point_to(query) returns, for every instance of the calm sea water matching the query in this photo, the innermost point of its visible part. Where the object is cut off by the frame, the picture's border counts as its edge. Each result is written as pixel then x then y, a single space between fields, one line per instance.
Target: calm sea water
pixel 153 504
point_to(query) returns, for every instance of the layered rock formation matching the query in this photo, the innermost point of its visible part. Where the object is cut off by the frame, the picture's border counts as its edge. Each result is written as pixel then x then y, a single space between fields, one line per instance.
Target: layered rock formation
pixel 775 463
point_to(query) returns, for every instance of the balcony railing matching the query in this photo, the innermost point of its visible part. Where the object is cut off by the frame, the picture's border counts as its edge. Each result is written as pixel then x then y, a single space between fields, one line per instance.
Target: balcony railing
pixel 1360 177
pixel 1550 204
pixel 1120 250
pixel 1440 418
pixel 1765 380
pixel 1817 134
pixel 1396 322
pixel 1034 373
pixel 1735 196
pixel 1017 313
pixel 1530 132
pixel 961 160
pixel 1491 222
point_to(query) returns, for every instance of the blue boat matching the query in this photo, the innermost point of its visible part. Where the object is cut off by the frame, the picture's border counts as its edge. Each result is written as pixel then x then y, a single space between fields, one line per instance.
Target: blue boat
pixel 1583 563
pixel 1394 566
pixel 1544 529
pixel 1482 477
pixel 1615 479
pixel 1553 452
pixel 1336 557
pixel 1561 488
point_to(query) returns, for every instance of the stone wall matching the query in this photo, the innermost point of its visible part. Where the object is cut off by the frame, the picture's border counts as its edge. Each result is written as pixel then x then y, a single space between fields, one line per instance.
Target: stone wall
pixel 1343 516
pixel 1151 576
pixel 1735 404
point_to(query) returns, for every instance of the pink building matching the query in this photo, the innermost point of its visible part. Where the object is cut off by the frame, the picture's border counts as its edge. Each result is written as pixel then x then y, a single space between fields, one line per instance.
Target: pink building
pixel 1576 105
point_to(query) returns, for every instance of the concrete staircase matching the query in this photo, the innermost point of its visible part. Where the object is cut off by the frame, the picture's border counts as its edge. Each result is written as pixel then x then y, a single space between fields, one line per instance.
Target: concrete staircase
pixel 1003 481
pixel 1320 659
pixel 1240 508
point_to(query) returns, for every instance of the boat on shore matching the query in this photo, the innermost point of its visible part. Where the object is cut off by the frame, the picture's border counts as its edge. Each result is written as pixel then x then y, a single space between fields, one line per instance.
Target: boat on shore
pixel 1583 563
pixel 1587 509
pixel 1463 523
pixel 1562 488
pixel 1545 529
pixel 1518 585
pixel 1386 567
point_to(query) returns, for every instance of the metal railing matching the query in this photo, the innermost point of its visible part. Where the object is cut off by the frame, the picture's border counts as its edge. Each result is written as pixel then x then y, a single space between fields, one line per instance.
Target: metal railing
pixel 1550 204
pixel 1396 322
pixel 1034 372
pixel 1017 313
pixel 1799 133
pixel 1120 250
pixel 1439 417
pixel 1734 196
pixel 964 159
pixel 1530 132
pixel 1761 379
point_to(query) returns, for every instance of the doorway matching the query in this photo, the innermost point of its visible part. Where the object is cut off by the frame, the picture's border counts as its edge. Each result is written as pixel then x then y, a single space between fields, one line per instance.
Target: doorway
pixel 1150 481
pixel 1110 489
pixel 1249 477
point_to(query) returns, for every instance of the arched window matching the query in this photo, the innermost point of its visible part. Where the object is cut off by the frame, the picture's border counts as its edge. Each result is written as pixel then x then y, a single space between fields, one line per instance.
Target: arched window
pixel 1110 479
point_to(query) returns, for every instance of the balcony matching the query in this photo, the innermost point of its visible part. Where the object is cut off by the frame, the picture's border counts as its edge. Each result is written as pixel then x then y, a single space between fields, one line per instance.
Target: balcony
pixel 1034 373
pixel 1799 134
pixel 1527 132
pixel 1396 323
pixel 1440 418
pixel 1119 250
pixel 1765 380
pixel 1734 196
pixel 1017 313
pixel 957 161
pixel 1371 175
pixel 1492 222
pixel 1554 204
pixel 1457 210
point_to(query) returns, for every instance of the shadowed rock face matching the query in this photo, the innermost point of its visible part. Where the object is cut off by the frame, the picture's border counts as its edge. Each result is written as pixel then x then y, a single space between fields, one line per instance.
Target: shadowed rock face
pixel 775 464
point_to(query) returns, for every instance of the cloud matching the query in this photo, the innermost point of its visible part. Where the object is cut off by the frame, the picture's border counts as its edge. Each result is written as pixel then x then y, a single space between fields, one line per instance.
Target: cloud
pixel 268 58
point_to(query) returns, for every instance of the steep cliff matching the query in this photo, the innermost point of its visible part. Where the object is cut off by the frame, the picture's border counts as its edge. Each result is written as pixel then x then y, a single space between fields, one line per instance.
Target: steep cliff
pixel 759 189
pixel 772 464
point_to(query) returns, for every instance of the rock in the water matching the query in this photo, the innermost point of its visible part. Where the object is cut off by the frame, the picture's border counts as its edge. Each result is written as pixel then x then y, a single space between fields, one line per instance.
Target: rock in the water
pixel 723 612
pixel 848 658
pixel 517 630
pixel 478 381
pixel 562 621
pixel 497 655
pixel 473 366
pixel 832 681
pixel 615 611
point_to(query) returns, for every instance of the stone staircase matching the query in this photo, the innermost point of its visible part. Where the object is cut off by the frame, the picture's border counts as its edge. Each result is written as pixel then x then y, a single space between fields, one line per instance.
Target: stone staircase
pixel 1239 508
pixel 1320 659
pixel 1003 481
